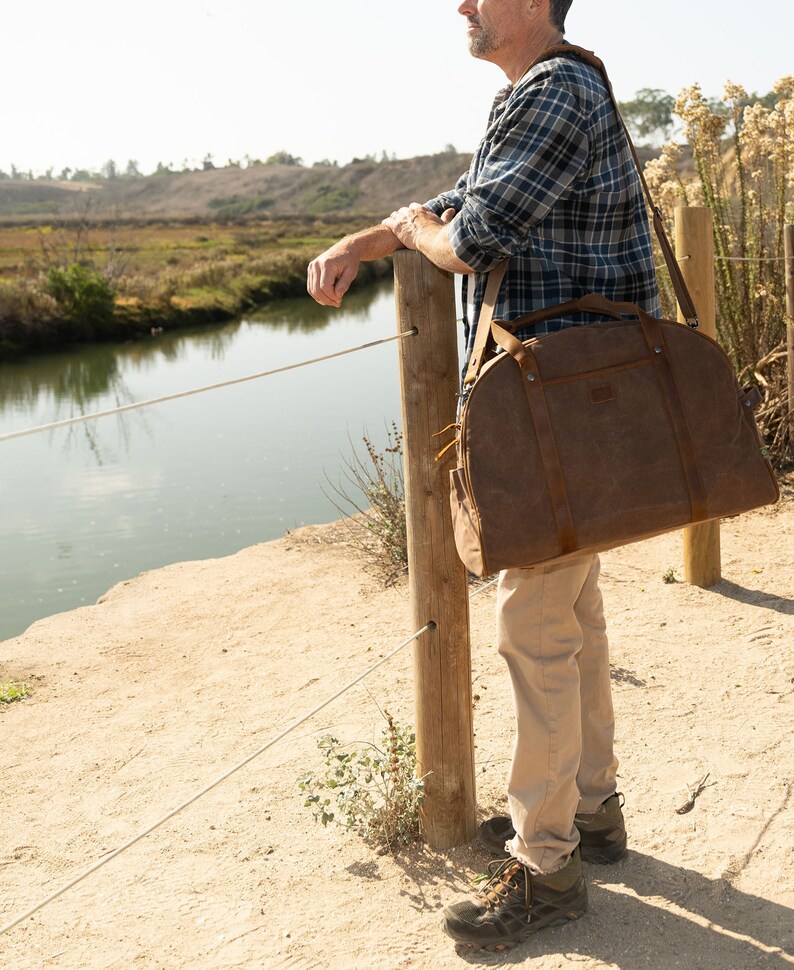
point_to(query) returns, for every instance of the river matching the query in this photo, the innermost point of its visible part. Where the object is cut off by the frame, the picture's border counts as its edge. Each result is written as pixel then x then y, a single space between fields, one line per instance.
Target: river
pixel 88 506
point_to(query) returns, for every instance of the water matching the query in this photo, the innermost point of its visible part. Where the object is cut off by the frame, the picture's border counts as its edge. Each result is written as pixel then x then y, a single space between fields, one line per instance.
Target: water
pixel 91 505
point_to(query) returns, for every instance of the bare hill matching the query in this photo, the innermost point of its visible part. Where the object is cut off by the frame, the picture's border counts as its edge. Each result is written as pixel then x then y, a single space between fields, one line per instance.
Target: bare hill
pixel 364 187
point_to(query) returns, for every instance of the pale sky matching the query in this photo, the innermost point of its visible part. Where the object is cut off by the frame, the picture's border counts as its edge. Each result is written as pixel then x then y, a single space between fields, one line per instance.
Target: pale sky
pixel 167 80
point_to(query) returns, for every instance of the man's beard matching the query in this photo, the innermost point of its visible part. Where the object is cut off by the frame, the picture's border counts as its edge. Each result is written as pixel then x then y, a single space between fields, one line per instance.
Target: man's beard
pixel 483 42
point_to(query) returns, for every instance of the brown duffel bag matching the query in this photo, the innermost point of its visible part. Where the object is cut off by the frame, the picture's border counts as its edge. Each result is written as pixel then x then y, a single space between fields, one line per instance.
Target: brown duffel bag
pixel 598 435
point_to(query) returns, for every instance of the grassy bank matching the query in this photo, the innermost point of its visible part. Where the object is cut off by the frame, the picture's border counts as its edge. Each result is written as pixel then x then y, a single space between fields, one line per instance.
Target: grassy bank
pixel 80 282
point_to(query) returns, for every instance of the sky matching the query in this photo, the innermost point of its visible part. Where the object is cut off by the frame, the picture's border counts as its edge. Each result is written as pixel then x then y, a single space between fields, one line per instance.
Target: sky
pixel 173 80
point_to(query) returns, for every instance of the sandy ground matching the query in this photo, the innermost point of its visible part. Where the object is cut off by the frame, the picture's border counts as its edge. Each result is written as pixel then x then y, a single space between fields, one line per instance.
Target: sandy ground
pixel 176 675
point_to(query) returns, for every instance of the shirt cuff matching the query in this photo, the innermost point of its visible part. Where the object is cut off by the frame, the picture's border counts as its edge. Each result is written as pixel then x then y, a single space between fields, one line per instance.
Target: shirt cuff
pixel 447 200
pixel 475 244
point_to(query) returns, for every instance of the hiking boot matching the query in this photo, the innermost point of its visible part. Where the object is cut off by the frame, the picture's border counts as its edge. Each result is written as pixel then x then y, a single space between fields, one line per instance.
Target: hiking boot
pixel 602 834
pixel 515 903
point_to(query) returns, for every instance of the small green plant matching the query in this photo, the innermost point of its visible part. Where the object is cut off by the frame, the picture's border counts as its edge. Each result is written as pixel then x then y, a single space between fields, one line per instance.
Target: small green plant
pixel 670 576
pixel 377 525
pixel 85 297
pixel 373 791
pixel 11 691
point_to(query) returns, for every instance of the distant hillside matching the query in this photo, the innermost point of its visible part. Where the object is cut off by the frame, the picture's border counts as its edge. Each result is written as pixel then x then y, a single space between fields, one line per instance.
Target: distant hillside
pixel 362 188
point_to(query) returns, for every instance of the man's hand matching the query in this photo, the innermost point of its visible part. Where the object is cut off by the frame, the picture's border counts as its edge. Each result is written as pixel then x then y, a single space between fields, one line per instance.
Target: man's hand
pixel 410 221
pixel 418 228
pixel 330 275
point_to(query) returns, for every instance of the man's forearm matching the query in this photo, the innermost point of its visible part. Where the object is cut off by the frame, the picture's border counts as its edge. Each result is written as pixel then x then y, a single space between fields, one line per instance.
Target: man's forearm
pixel 433 242
pixel 377 242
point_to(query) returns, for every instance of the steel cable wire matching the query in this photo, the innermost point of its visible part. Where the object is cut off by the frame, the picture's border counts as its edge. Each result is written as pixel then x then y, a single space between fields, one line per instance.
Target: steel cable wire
pixel 52 426
pixel 213 784
pixel 227 774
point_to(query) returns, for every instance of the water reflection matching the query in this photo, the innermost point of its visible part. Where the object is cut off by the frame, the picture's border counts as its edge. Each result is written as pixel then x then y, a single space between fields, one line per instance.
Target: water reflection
pixel 305 316
pixel 75 379
pixel 203 476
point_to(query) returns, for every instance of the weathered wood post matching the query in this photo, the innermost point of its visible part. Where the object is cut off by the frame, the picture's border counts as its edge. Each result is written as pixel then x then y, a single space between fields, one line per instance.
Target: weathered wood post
pixel 694 248
pixel 789 251
pixel 430 378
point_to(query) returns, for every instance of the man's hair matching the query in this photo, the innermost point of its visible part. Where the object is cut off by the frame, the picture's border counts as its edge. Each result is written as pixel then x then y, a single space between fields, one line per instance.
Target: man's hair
pixel 558 9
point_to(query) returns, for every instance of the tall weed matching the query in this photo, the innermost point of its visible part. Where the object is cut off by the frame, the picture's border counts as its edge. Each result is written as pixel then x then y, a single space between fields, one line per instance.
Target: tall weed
pixel 744 173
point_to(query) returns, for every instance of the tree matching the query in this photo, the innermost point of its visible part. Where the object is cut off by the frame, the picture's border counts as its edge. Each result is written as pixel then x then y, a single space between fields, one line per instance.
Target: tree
pixel 207 163
pixel 66 174
pixel 650 115
pixel 132 171
pixel 109 170
pixel 283 158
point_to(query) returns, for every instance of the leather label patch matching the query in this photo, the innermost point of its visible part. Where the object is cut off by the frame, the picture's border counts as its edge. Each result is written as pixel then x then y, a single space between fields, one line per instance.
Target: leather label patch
pixel 602 394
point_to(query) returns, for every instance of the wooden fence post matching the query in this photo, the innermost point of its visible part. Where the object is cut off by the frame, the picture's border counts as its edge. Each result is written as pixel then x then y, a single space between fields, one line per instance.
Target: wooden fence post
pixel 694 248
pixel 430 378
pixel 789 251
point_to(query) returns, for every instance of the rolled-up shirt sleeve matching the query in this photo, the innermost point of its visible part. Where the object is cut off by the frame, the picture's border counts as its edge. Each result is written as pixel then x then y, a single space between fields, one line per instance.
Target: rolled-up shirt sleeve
pixel 536 150
pixel 449 200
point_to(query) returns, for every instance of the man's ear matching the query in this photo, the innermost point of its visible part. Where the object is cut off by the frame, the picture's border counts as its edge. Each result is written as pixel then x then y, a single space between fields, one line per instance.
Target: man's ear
pixel 536 7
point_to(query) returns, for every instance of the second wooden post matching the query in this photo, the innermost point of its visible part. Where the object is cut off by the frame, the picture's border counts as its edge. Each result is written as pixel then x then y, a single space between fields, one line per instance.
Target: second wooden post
pixel 789 264
pixel 694 248
pixel 430 378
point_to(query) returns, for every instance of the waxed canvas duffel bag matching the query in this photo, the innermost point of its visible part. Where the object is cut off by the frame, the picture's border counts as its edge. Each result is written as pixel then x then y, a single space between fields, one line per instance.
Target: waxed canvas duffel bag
pixel 595 436
pixel 602 434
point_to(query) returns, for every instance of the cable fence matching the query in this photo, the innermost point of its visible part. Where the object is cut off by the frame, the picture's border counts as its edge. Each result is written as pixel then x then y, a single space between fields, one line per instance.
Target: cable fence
pixel 121 409
pixel 428 627
pixel 190 800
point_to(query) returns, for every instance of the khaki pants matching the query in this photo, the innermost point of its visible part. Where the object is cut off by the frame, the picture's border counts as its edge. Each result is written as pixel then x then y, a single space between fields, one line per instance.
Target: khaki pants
pixel 552 634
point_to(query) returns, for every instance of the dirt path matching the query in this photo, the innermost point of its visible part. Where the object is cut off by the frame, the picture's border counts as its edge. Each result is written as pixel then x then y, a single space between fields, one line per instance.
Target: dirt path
pixel 176 675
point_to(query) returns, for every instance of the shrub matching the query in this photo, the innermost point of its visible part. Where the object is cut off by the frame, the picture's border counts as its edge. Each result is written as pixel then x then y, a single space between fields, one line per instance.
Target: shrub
pixel 327 198
pixel 373 791
pixel 377 529
pixel 85 297
pixel 235 206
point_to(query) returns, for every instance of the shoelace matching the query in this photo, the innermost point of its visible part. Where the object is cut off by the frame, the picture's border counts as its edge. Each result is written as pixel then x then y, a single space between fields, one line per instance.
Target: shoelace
pixel 503 881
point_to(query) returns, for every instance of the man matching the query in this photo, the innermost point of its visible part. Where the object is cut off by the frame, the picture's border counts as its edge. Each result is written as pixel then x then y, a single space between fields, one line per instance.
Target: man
pixel 552 186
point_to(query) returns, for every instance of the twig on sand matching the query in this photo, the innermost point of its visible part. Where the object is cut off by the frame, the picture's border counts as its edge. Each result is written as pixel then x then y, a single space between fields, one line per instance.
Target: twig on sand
pixel 693 795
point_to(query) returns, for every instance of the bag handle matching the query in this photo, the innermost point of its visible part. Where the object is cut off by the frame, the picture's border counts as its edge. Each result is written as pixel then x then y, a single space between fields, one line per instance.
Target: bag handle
pixel 683 296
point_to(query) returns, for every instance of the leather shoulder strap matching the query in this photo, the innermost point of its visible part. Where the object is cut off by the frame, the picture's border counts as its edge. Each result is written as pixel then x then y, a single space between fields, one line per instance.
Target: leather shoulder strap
pixel 483 343
pixel 482 337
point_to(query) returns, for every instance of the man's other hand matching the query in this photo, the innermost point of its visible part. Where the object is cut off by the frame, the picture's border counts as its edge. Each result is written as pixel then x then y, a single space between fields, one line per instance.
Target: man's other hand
pixel 407 223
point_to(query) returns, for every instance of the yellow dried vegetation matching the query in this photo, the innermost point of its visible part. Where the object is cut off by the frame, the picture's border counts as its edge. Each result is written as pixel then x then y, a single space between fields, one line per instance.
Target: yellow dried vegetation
pixel 744 172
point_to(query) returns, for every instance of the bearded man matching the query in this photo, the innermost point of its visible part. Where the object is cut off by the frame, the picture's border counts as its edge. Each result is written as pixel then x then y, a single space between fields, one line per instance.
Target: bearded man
pixel 552 186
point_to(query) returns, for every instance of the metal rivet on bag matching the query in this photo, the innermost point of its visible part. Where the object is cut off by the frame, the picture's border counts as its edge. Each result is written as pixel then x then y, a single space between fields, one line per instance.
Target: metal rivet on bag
pixel 530 377
pixel 658 350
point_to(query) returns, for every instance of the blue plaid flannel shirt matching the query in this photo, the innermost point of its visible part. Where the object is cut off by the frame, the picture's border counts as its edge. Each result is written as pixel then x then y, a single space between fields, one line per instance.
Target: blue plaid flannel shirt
pixel 553 186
